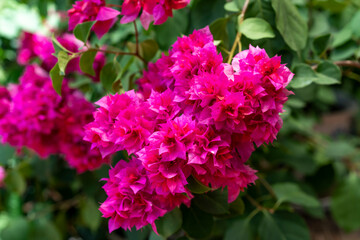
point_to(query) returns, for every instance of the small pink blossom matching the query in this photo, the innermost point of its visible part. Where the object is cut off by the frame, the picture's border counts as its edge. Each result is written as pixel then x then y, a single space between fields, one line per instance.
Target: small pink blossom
pixel 38 118
pixel 131 200
pixel 156 11
pixel 34 46
pixel 93 10
pixel 122 122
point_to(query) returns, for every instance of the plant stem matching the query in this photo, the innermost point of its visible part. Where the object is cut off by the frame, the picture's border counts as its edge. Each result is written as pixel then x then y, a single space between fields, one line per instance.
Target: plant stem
pixel 268 187
pixel 116 53
pixel 252 214
pixel 254 202
pixel 238 35
pixel 232 51
pixel 348 63
pixel 344 63
pixel 136 38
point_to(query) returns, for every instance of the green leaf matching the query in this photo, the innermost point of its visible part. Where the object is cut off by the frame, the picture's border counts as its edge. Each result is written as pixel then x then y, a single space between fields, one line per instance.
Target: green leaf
pixel 82 31
pixel 290 24
pixel 296 155
pixel 18 229
pixel 237 206
pixel 43 230
pixel 63 60
pixel 344 205
pixel 326 95
pixel 148 49
pixel 344 51
pixel 154 236
pixel 108 75
pixel 6 152
pixel 56 78
pixel 87 61
pixel 290 192
pixel 196 223
pixel 304 76
pixel 283 226
pixel 14 205
pixel 219 30
pixel 204 12
pixel 140 234
pixel 321 43
pixel 90 214
pixel 168 32
pixel 341 37
pixel 57 46
pixel 170 223
pixel 15 181
pixel 319 24
pixel 328 73
pixel 215 202
pixel 295 103
pixel 339 149
pixel 331 5
pixel 4 220
pixel 239 230
pixel 256 28
pixel 117 86
pixel 231 7
pixel 355 24
pixel 195 186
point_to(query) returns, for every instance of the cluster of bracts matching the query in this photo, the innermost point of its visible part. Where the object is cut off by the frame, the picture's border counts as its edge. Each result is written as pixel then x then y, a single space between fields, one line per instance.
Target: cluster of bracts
pixel 192 116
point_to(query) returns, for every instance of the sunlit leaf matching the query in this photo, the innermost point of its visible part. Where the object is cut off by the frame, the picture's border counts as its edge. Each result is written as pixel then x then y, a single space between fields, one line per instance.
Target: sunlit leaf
pixel 256 28
pixel 56 78
pixel 87 61
pixel 290 192
pixel 82 31
pixel 169 223
pixel 345 205
pixel 290 24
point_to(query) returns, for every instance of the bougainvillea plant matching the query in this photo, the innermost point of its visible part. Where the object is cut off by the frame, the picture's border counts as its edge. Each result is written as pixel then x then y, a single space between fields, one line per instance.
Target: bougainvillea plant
pixel 174 107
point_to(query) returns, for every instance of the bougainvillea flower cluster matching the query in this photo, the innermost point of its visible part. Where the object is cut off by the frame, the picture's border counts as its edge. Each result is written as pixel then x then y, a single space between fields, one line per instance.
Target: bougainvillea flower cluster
pixel 36 46
pixel 93 10
pixel 33 115
pixel 192 116
pixel 156 11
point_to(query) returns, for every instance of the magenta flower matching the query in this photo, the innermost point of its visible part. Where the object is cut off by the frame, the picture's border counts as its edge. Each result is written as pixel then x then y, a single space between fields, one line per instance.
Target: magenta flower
pixel 131 200
pixel 38 118
pixel 156 11
pixel 34 46
pixel 193 116
pixel 122 122
pixel 93 10
pixel 5 100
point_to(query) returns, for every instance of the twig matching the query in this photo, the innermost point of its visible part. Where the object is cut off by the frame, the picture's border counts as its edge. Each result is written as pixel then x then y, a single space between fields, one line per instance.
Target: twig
pixel 116 53
pixel 254 202
pixel 268 187
pixel 136 38
pixel 345 63
pixel 238 35
pixel 253 213
pixel 348 63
